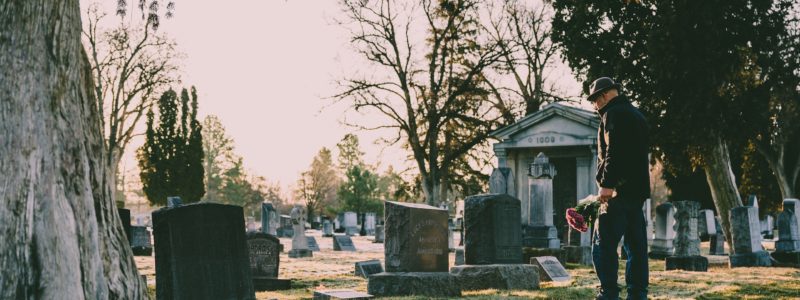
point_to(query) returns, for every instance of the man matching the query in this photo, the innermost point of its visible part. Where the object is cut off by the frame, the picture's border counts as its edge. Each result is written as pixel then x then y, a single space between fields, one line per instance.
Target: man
pixel 624 180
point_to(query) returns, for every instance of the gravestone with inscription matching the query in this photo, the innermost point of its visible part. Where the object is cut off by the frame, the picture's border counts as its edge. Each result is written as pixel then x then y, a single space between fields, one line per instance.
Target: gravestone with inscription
pixel 265 260
pixel 201 252
pixel 270 221
pixel 140 243
pixel 716 244
pixel 378 234
pixel 327 228
pixel 368 268
pixel 745 229
pixel 665 232
pixel 787 248
pixel 286 229
pixel 687 244
pixel 493 246
pixel 343 243
pixel 538 231
pixel 299 239
pixel 350 223
pixel 550 269
pixel 416 254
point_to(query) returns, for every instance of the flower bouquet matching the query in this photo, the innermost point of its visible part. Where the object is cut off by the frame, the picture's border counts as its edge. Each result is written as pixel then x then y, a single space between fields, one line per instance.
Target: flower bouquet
pixel 582 216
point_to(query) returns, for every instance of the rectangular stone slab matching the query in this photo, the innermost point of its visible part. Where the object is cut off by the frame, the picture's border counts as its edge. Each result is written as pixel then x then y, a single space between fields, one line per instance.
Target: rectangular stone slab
pixel 550 269
pixel 492 230
pixel 312 243
pixel 340 294
pixel 416 238
pixel 343 243
pixel 369 267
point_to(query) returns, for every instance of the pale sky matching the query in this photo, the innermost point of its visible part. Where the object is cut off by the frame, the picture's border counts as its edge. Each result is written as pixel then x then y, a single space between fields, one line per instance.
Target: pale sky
pixel 265 68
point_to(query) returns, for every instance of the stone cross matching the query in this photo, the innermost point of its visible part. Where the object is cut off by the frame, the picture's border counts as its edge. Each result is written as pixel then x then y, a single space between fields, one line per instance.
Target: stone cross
pixel 299 240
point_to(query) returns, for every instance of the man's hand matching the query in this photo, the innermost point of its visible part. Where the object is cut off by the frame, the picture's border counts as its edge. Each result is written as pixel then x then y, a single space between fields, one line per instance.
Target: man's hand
pixel 605 194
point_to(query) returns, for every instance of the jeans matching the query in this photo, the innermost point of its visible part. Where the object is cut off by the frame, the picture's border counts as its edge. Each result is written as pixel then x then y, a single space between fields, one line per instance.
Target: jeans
pixel 624 217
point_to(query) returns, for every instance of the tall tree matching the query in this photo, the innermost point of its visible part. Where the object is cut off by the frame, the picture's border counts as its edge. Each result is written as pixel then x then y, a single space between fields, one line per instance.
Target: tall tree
pixel 317 186
pixel 171 159
pixel 350 153
pixel 62 237
pixel 131 64
pixel 218 149
pixel 430 87
pixel 684 62
pixel 359 191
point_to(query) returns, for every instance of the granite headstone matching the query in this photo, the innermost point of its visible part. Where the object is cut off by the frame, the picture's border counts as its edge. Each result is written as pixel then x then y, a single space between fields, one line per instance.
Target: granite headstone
pixel 492 230
pixel 687 243
pixel 665 232
pixel 343 243
pixel 550 269
pixel 787 248
pixel 745 229
pixel 270 221
pixel 368 268
pixel 140 243
pixel 264 250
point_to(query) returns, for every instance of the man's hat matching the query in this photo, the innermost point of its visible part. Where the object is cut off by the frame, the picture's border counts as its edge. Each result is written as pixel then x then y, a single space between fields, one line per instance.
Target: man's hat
pixel 601 85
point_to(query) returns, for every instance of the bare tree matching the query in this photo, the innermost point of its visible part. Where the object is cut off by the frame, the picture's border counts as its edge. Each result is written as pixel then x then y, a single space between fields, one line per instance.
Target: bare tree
pixel 131 64
pixel 434 92
pixel 317 186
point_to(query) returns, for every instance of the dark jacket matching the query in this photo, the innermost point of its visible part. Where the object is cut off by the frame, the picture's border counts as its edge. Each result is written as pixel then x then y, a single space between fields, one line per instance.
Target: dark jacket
pixel 622 144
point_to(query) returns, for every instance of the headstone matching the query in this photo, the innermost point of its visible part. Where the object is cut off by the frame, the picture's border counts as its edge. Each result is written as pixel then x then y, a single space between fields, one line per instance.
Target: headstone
pixel 416 254
pixel 502 182
pixel 451 243
pixel 264 250
pixel 299 240
pixel 706 226
pixel 140 243
pixel 250 223
pixel 327 228
pixel 343 243
pixel 580 252
pixel 337 223
pixel 369 223
pixel 550 269
pixel 787 248
pixel 539 231
pixel 270 221
pixel 767 224
pixel 368 268
pixel 312 243
pixel 687 243
pixel 351 223
pixel 286 229
pixel 665 232
pixel 492 230
pixel 717 241
pixel 648 218
pixel 341 294
pixel 752 201
pixel 125 218
pixel 378 234
pixel 201 252
pixel 459 256
pixel 745 229
pixel 174 201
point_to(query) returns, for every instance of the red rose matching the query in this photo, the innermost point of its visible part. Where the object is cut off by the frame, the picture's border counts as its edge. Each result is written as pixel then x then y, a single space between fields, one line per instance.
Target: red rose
pixel 576 220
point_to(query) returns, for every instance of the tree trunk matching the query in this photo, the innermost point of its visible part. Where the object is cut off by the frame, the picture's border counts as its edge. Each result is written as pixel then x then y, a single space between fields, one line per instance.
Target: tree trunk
pixel 61 235
pixel 722 183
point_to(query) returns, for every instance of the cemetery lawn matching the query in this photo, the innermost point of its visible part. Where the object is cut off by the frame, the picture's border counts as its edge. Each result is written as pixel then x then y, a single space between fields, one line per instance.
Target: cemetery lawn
pixel 329 270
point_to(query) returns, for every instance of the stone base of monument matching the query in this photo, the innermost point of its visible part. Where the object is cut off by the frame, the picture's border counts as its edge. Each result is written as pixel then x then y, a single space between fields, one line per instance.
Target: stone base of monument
pixel 500 277
pixel 299 253
pixel 142 251
pixel 428 284
pixel 271 284
pixel 529 252
pixel 459 256
pixel 696 263
pixel 661 249
pixel 579 255
pixel 755 259
pixel 540 237
pixel 787 258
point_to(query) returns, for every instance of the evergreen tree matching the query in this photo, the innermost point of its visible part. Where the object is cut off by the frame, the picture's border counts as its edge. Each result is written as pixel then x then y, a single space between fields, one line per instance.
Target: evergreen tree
pixel 359 191
pixel 171 159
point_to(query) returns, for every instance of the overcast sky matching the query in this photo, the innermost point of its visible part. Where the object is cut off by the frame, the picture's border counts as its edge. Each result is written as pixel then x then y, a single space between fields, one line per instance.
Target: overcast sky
pixel 266 67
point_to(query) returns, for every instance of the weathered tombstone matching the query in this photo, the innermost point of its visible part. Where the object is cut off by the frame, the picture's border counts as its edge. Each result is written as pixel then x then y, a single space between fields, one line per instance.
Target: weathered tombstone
pixel 493 246
pixel 341 294
pixel 125 217
pixel 265 260
pixel 140 243
pixel 717 241
pixel 539 231
pixel 705 224
pixel 459 256
pixel 327 228
pixel 745 229
pixel 665 232
pixel 378 234
pixel 201 252
pixel 580 251
pixel 416 254
pixel 648 217
pixel 687 244
pixel 767 224
pixel 368 268
pixel 350 223
pixel 312 243
pixel 502 182
pixel 343 243
pixel 337 223
pixel 787 248
pixel 369 223
pixel 286 229
pixel 299 240
pixel 550 269
pixel 270 221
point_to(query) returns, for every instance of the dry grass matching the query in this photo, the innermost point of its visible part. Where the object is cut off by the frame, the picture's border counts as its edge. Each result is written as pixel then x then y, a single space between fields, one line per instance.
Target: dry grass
pixel 334 270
